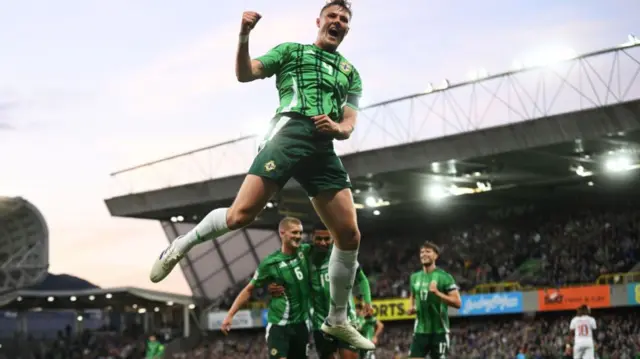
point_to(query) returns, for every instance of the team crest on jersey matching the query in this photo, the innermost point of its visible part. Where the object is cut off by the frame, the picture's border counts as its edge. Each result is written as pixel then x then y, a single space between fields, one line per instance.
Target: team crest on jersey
pixel 345 67
pixel 270 166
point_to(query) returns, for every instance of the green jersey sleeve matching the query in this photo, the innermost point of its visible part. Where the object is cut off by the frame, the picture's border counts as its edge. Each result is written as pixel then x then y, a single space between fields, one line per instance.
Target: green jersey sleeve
pixel 448 284
pixel 355 91
pixel 272 61
pixel 261 276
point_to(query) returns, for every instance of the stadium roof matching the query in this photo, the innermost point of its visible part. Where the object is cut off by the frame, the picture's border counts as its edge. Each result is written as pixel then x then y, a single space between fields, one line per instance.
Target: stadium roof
pixel 120 298
pixel 520 162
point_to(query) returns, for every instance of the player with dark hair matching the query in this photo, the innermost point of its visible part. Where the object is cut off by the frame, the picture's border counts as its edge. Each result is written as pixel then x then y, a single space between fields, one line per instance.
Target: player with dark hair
pixel 319 91
pixel 433 291
pixel 327 346
pixel 582 326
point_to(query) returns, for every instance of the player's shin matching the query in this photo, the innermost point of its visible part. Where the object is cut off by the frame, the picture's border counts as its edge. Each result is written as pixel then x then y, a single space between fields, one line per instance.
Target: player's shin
pixel 212 226
pixel 342 272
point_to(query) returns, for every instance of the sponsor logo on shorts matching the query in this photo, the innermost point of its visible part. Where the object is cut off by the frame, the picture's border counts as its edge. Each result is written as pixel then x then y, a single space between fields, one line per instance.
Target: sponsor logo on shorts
pixel 270 166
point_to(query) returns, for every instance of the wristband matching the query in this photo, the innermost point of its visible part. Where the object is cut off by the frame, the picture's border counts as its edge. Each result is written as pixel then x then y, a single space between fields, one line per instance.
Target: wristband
pixel 244 39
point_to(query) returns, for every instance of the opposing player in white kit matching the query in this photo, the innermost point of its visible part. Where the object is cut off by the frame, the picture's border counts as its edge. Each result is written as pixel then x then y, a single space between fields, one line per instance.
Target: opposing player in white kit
pixel 583 326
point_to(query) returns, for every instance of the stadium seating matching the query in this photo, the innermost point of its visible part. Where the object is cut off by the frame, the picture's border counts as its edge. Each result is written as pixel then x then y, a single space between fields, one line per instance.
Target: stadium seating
pixel 532 249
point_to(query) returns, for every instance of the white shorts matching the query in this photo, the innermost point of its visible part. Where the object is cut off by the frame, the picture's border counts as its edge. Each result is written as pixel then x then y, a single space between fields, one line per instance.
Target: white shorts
pixel 583 352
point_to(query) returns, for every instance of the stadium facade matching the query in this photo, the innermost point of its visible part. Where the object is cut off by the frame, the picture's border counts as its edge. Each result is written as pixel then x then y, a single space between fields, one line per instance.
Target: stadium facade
pixel 24 247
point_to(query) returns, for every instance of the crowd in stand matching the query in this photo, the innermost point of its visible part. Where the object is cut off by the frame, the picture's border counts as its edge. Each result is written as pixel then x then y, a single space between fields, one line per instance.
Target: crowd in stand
pixel 524 246
pixel 538 337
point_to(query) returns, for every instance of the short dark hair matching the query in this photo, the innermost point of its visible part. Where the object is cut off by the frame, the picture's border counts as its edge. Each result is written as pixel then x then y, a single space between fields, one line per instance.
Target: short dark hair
pixel 319 227
pixel 431 245
pixel 342 3
pixel 583 310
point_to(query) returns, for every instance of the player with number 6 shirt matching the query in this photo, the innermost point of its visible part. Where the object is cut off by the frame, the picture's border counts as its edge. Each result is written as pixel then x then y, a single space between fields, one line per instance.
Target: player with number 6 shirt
pixel 287 332
pixel 327 346
pixel 433 291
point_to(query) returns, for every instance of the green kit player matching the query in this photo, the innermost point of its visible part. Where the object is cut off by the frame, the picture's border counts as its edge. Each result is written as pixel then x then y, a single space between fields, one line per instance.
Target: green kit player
pixel 155 349
pixel 319 91
pixel 370 327
pixel 433 291
pixel 327 347
pixel 287 332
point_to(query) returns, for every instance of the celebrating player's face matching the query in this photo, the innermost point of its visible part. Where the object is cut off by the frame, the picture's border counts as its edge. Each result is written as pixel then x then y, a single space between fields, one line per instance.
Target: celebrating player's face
pixel 293 235
pixel 427 256
pixel 322 240
pixel 333 26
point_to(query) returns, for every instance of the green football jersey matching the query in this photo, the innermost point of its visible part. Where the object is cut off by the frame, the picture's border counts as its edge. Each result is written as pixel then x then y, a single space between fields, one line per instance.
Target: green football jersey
pixel 320 295
pixel 366 326
pixel 432 314
pixel 292 272
pixel 311 81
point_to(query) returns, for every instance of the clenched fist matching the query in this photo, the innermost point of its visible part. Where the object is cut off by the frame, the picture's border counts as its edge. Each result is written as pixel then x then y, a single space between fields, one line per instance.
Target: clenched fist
pixel 249 21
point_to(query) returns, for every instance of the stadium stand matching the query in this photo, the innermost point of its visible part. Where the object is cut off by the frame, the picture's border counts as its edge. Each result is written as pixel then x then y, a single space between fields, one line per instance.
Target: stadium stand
pixel 533 248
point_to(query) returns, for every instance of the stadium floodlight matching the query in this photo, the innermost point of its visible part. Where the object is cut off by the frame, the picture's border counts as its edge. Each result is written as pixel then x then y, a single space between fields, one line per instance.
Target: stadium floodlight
pixel 50 299
pixel 142 310
pixel 156 309
pixel 91 297
pixel 618 163
pixel 582 172
pixel 79 318
pixel 192 306
pixel 169 303
pixel 437 192
pixel 73 298
pixel 174 219
pixel 19 299
pixel 376 212
pixel 429 88
pixel 370 201
pixel 180 218
pixel 590 183
pixel 109 296
pixel 632 40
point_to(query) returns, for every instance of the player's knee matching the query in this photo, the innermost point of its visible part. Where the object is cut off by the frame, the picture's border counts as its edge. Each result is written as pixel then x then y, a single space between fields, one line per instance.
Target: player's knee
pixel 240 217
pixel 348 239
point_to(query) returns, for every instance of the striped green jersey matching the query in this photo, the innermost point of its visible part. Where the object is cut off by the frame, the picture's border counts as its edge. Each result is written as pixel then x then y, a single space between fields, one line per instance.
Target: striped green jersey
pixel 311 81
pixel 320 296
pixel 432 314
pixel 292 272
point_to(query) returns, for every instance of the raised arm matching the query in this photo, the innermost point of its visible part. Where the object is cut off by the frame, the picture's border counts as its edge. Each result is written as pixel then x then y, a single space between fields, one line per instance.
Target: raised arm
pixel 246 69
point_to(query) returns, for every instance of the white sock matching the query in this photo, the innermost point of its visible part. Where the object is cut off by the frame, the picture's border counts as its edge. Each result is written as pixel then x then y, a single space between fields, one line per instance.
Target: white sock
pixel 342 273
pixel 212 226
